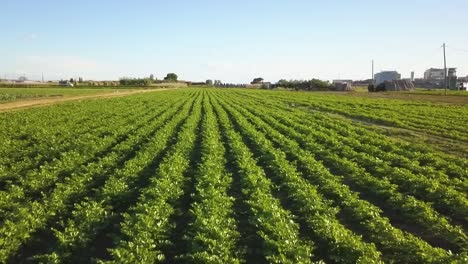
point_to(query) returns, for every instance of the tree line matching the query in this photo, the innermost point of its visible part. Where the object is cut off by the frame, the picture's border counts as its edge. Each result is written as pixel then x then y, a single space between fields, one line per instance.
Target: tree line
pixel 307 85
pixel 170 77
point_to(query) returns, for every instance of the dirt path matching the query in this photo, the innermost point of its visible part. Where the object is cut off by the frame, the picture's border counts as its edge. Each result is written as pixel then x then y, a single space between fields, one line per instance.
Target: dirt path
pixel 49 101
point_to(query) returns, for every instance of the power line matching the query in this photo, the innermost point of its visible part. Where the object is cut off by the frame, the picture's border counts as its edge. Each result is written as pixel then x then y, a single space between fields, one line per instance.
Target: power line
pixel 457 49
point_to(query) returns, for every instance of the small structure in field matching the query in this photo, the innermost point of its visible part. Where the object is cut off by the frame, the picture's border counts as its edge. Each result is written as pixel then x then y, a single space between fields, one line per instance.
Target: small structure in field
pixel 65 83
pixel 343 86
pixel 452 78
pixel 395 85
pixel 399 85
pixel 258 83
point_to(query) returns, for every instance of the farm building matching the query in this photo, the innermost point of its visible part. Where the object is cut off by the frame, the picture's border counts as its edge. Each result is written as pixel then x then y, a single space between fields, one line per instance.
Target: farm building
pixel 384 76
pixel 434 74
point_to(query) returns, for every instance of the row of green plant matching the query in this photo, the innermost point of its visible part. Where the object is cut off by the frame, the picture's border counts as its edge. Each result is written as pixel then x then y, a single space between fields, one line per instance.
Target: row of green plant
pixel 97 212
pixel 276 227
pixel 212 235
pixel 408 155
pixel 238 176
pixel 445 120
pixel 334 240
pixel 146 227
pixel 35 183
pixel 310 134
pixel 38 137
pixel 396 245
pixel 432 188
pixel 34 215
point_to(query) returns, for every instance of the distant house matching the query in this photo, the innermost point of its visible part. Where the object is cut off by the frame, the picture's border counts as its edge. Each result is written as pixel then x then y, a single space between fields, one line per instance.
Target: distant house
pixel 384 76
pixel 258 83
pixel 434 74
pixel 435 78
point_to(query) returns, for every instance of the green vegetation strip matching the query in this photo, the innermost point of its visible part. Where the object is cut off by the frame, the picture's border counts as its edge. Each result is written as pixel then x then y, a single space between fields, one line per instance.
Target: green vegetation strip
pixel 204 175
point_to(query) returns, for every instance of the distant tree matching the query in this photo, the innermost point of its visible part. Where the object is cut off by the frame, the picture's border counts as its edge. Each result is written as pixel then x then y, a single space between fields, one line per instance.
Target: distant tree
pixel 71 80
pixel 145 82
pixel 257 81
pixel 171 77
pixel 135 81
pixel 80 79
pixel 314 84
pixel 282 83
pixel 151 77
pixel 209 82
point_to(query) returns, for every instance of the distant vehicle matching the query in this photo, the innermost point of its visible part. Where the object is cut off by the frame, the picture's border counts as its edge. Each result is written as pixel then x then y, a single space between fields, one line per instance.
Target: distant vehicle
pixel 65 83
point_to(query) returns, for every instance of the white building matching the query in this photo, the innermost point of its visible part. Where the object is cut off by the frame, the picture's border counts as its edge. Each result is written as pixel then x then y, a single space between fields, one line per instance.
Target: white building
pixel 386 76
pixel 434 74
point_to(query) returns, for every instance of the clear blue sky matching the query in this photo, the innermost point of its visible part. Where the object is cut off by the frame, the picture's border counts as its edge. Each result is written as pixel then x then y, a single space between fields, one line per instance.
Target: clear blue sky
pixel 233 41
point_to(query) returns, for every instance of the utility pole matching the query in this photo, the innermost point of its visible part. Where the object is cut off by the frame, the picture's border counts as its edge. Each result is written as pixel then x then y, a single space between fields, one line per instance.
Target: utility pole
pixel 43 77
pixel 445 71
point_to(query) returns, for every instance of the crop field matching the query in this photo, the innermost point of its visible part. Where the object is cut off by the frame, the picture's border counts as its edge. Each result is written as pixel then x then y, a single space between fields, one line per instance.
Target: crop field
pixel 439 92
pixel 201 175
pixel 15 94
